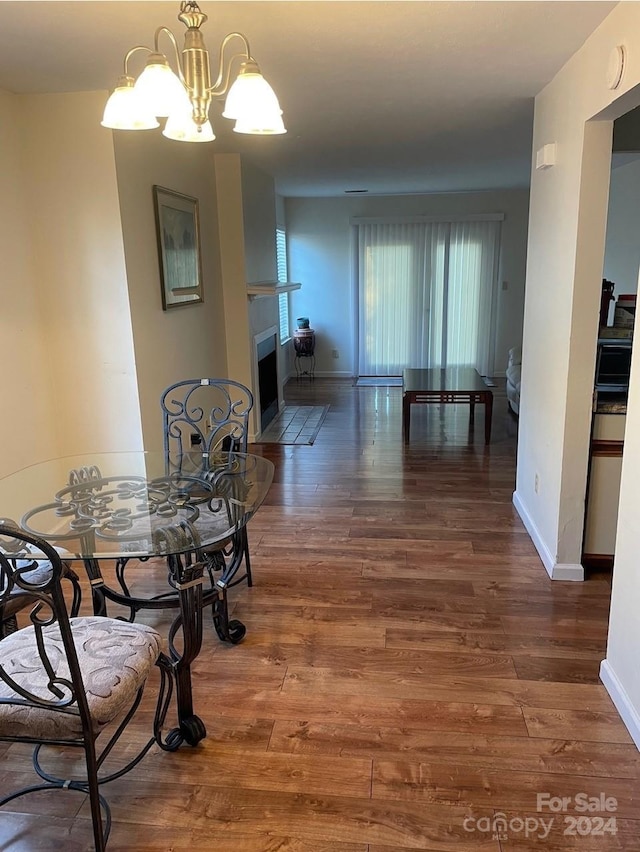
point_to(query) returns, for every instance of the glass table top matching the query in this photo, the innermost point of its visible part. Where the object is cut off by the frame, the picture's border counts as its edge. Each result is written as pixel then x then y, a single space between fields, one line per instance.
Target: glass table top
pixel 448 379
pixel 127 504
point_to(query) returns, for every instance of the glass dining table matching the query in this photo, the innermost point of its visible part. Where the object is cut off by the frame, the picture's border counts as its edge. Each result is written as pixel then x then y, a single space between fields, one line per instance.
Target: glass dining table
pixel 188 509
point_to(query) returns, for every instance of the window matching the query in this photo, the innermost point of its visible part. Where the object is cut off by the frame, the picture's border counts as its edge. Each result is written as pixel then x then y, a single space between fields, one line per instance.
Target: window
pixel 283 276
pixel 427 295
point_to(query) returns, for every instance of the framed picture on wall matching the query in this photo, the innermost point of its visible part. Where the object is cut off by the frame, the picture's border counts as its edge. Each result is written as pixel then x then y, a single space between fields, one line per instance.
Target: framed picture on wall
pixel 178 233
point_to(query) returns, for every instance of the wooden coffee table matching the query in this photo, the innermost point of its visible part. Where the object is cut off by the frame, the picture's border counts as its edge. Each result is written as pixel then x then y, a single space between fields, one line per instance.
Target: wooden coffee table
pixel 451 385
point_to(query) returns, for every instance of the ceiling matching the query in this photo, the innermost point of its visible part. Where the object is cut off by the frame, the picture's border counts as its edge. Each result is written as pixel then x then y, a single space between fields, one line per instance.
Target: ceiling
pixel 391 97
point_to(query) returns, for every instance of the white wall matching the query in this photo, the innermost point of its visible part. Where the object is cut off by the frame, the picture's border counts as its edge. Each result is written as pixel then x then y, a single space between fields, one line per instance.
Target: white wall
pixel 621 669
pixel 187 341
pixel 320 257
pixel 622 253
pixel 564 272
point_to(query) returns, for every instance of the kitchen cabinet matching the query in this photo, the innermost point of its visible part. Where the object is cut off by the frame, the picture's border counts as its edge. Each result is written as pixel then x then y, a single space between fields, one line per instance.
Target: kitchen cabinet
pixel 611 389
pixel 603 488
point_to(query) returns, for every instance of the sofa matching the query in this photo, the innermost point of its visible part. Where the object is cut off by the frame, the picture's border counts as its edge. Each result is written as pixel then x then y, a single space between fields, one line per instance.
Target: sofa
pixel 514 369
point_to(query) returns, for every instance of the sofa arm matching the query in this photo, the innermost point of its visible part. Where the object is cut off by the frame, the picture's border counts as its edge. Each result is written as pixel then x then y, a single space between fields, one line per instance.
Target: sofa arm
pixel 515 356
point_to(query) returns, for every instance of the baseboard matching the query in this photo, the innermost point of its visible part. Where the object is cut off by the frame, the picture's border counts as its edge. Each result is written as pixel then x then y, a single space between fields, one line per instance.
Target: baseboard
pixel 556 570
pixel 543 551
pixel 628 713
pixel 571 571
pixel 334 374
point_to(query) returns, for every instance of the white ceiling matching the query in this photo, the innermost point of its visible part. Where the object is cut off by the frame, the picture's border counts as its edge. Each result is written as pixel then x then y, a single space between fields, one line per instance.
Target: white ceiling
pixel 392 97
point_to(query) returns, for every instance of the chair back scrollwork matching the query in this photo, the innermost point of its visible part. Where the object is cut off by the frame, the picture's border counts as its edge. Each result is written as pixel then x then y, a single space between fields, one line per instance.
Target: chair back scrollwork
pixel 205 416
pixel 32 571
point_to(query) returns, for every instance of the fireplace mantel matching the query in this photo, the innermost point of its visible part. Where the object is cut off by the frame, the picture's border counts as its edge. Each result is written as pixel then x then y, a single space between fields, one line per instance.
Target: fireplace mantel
pixel 271 288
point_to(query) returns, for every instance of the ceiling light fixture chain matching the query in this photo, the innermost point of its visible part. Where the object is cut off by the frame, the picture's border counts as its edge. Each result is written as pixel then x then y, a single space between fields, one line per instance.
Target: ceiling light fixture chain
pixel 185 97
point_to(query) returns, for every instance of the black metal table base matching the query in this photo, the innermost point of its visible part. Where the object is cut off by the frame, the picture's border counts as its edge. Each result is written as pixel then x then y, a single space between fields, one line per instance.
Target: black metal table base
pixel 186 579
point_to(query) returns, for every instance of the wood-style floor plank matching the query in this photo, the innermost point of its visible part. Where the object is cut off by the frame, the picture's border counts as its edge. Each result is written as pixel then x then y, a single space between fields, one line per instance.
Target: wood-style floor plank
pixel 409 670
pixel 594 725
pixel 558 669
pixel 472 642
pixel 516 754
pixel 450 784
pixel 308 818
pixel 492 691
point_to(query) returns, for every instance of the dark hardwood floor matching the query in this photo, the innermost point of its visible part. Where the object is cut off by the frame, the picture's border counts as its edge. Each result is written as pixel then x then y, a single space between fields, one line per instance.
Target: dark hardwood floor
pixel 409 672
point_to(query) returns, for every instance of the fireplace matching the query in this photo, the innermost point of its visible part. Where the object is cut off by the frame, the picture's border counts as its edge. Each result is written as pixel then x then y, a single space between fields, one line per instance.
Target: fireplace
pixel 267 355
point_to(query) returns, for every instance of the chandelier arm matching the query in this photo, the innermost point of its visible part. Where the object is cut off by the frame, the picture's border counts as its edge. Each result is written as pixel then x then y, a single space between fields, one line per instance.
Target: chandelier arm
pixel 176 49
pixel 221 84
pixel 130 54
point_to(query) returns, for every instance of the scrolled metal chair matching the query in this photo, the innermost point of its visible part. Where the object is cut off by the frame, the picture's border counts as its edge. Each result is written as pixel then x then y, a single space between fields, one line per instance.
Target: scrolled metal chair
pixel 206 415
pixel 36 572
pixel 202 417
pixel 64 680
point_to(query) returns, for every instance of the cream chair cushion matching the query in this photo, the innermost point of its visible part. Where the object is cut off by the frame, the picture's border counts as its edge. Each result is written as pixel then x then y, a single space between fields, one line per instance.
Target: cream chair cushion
pixel 115 659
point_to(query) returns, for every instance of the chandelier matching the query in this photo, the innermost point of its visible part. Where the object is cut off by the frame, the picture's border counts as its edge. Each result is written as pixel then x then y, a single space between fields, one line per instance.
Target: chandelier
pixel 184 98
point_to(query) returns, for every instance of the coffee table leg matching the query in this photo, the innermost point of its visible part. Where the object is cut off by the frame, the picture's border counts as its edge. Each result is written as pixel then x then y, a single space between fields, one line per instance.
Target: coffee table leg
pixel 488 412
pixel 406 417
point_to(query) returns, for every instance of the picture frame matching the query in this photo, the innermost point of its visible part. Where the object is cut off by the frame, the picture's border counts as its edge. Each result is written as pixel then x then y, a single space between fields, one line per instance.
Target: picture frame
pixel 178 233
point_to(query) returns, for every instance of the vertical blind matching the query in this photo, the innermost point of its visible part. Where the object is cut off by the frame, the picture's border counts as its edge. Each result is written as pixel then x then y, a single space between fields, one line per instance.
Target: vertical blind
pixel 283 298
pixel 427 295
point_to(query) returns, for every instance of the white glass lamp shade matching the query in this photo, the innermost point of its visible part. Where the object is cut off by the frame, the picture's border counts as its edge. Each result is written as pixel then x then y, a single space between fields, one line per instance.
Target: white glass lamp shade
pixel 125 111
pixel 159 88
pixel 250 93
pixel 261 125
pixel 181 127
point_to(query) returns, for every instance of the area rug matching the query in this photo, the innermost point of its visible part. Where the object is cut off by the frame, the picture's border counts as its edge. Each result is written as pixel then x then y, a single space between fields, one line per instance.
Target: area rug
pixel 296 424
pixel 379 382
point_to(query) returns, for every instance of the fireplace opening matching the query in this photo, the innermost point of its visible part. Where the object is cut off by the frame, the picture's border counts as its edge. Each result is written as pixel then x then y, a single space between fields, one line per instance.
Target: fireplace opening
pixel 267 380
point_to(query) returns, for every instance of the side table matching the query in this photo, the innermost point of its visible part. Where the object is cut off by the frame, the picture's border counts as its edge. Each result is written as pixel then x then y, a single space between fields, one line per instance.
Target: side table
pixel 304 343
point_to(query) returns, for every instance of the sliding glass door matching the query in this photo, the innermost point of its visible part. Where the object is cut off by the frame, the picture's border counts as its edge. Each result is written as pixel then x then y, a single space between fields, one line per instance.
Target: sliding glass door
pixel 426 295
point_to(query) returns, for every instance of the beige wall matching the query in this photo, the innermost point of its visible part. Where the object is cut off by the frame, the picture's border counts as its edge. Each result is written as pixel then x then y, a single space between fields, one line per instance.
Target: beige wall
pixel 259 217
pixel 67 251
pixel 262 211
pixel 247 223
pixel 233 265
pixel 27 425
pixel 82 281
pixel 564 271
pixel 186 341
pixel 82 313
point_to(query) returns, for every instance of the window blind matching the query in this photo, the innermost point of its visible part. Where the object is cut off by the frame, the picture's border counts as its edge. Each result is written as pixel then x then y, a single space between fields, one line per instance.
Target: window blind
pixel 427 295
pixel 283 298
